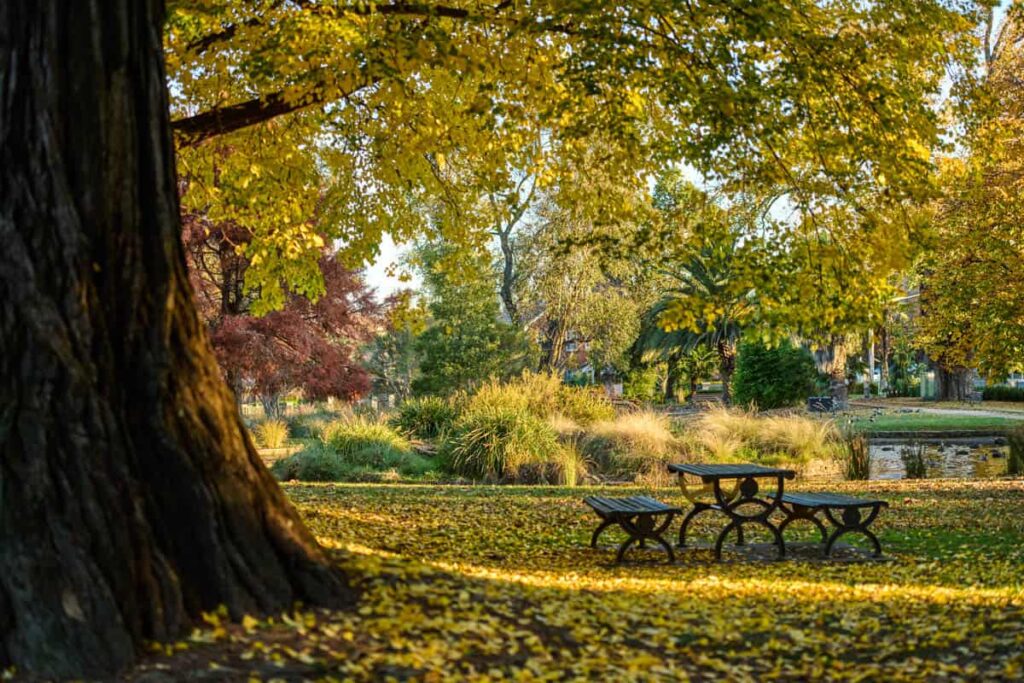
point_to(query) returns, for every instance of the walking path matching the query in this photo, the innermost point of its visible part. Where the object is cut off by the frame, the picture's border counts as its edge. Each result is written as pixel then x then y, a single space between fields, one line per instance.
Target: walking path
pixel 978 412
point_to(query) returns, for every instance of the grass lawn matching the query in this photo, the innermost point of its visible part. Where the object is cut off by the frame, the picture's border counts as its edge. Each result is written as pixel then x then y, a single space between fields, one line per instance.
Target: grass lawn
pixel 899 422
pixel 491 583
pixel 1011 406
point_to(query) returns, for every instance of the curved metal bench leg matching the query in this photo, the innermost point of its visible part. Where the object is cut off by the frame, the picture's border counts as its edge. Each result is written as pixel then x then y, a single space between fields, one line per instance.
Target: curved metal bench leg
pixel 795 513
pixel 641 528
pixel 776 533
pixel 668 548
pixel 853 522
pixel 605 523
pixel 721 538
pixel 739 535
pixel 690 516
pixel 623 548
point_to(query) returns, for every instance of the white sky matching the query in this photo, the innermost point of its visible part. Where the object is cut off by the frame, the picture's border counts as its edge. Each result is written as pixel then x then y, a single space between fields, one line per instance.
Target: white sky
pixel 377 272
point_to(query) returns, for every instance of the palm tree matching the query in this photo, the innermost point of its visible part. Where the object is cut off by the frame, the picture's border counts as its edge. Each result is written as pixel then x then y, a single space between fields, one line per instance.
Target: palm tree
pixel 706 308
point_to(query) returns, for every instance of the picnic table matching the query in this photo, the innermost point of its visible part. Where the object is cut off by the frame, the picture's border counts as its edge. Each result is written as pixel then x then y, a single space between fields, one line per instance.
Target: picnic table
pixel 729 501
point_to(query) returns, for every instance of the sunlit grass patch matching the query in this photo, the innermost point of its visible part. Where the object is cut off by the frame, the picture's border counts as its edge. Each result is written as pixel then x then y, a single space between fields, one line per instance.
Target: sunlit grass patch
pixel 489 582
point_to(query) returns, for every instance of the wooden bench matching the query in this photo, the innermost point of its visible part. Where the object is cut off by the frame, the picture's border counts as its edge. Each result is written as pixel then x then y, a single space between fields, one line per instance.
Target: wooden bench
pixel 807 506
pixel 637 516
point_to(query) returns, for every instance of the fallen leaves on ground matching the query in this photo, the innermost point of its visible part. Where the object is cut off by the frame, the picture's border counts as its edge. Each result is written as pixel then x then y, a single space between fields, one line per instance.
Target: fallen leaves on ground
pixel 498 583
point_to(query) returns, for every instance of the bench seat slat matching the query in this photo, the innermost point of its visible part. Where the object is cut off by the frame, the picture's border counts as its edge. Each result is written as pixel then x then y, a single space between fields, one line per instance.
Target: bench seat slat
pixel 830 500
pixel 632 505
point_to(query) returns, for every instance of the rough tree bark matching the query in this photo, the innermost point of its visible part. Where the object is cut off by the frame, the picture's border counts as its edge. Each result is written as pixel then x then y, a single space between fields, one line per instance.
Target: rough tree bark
pixel 672 377
pixel 838 388
pixel 130 497
pixel 726 366
pixel 953 384
pixel 557 331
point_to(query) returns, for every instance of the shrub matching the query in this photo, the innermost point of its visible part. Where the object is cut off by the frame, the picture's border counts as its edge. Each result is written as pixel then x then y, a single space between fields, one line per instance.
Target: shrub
pixel 271 433
pixel 499 444
pixel 309 426
pixel 1015 463
pixel 641 384
pixel 364 443
pixel 354 449
pixel 637 445
pixel 1003 393
pixel 773 377
pixel 314 463
pixel 425 418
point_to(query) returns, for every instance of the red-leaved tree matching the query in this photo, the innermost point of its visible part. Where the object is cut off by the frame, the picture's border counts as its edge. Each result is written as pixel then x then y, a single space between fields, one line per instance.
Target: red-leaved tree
pixel 311 346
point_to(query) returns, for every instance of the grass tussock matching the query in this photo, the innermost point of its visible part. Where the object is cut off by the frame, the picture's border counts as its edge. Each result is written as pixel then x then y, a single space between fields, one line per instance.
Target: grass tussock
pixel 508 445
pixel 429 417
pixel 633 446
pixel 728 435
pixel 544 396
pixel 270 433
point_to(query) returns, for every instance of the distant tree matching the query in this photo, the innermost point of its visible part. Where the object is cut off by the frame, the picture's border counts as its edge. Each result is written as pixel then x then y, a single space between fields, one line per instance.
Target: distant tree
pixel 972 292
pixel 393 356
pixel 306 345
pixel 467 340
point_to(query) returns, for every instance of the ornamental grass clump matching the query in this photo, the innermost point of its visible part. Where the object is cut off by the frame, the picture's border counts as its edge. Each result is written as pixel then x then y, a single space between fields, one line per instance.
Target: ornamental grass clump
pixel 856 457
pixel 914 461
pixel 271 433
pixel 635 446
pixel 425 418
pixel 310 426
pixel 504 445
pixel 724 435
pixel 543 395
pixel 361 442
pixel 315 462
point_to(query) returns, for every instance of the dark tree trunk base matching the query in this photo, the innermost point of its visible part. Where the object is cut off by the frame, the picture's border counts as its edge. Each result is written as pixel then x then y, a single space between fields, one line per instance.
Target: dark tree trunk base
pixel 130 497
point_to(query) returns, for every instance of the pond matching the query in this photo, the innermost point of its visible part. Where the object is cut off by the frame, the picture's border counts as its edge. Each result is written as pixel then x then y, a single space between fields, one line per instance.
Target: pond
pixel 976 457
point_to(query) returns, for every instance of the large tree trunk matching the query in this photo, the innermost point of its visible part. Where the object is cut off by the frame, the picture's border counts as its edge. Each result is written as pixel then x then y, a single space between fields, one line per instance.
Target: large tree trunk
pixel 838 388
pixel 672 377
pixel 271 405
pixel 130 497
pixel 953 384
pixel 726 366
pixel 556 333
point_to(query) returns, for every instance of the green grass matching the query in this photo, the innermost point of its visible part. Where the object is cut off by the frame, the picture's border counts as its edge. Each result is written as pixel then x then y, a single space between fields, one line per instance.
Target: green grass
pixel 900 422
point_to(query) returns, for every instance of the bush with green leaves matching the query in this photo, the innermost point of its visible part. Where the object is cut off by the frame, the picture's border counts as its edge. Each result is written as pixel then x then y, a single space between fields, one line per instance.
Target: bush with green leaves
pixel 354 449
pixel 641 384
pixel 1003 393
pixel 508 444
pixel 425 418
pixel 773 376
pixel 311 425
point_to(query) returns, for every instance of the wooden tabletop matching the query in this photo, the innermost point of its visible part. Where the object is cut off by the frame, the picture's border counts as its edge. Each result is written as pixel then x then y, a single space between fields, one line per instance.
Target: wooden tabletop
pixel 709 473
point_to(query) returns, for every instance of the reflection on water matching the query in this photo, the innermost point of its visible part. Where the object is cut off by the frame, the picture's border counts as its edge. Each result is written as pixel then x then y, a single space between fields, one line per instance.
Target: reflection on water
pixel 978 457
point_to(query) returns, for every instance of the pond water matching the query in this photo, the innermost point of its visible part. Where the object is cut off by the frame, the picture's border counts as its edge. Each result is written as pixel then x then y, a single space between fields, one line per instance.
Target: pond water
pixel 979 458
